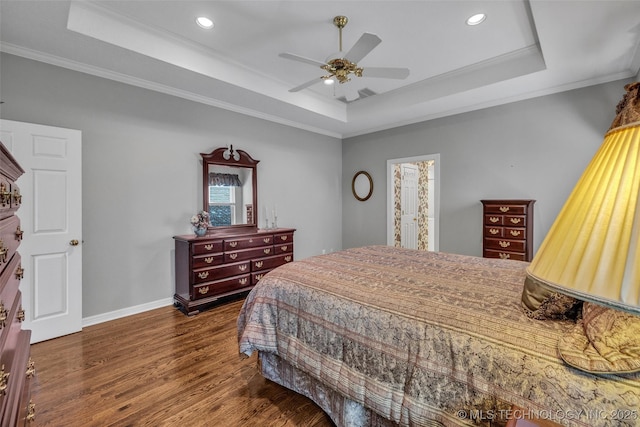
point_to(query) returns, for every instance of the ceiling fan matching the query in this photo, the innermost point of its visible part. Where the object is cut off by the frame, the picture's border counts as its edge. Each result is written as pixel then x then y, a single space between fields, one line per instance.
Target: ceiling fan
pixel 341 66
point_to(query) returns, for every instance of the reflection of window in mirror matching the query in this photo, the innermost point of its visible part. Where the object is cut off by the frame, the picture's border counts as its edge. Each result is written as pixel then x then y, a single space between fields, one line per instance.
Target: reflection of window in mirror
pixel 222 208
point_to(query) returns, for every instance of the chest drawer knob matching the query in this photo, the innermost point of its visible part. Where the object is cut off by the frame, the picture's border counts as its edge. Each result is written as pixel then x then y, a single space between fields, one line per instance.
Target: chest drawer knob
pixel 19 233
pixel 5 196
pixel 494 230
pixel 233 244
pixel 19 272
pixel 515 233
pixel 267 240
pixel 504 244
pixel 504 256
pixel 203 290
pixel 259 264
pixel 284 238
pixel 3 252
pixel 208 259
pixel 17 197
pixel 203 275
pixel 233 256
pixel 259 276
pixel 21 314
pixel 3 315
pixel 504 208
pixel 515 220
pixel 287 258
pixel 243 267
pixel 209 246
pixel 494 219
pixel 267 251
pixel 243 281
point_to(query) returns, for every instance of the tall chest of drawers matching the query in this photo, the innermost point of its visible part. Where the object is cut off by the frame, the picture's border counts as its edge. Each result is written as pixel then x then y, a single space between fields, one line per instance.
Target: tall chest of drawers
pixel 213 267
pixel 508 229
pixel 16 367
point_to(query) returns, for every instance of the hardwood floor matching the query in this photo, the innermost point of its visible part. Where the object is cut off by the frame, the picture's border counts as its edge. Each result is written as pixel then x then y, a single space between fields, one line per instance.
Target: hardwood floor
pixel 161 368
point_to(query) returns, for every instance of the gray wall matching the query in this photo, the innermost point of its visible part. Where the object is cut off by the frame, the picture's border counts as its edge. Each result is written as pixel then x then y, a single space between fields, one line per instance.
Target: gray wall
pixel 534 149
pixel 141 174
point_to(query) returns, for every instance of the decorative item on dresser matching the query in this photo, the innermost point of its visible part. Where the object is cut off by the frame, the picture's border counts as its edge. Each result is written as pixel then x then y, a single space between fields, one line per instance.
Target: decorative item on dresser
pixel 16 367
pixel 225 265
pixel 508 229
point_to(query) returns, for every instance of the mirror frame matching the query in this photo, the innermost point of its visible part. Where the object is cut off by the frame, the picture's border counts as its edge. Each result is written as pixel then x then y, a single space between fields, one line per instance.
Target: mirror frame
pixel 217 157
pixel 358 196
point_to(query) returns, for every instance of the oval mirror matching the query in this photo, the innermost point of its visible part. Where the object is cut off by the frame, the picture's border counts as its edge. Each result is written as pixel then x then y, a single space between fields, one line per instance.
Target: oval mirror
pixel 362 186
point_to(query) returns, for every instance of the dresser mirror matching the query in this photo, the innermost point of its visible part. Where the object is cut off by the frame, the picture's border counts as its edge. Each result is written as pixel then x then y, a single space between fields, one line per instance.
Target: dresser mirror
pixel 229 183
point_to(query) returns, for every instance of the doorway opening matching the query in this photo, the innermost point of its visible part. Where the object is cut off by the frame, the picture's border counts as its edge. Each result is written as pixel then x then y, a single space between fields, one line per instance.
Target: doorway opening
pixel 413 202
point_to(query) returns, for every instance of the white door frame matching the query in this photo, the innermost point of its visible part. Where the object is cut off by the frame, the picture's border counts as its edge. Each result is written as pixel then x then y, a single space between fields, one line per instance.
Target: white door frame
pixel 436 195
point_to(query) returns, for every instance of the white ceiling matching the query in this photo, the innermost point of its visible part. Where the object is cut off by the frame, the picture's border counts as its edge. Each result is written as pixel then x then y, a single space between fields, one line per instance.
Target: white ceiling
pixel 523 49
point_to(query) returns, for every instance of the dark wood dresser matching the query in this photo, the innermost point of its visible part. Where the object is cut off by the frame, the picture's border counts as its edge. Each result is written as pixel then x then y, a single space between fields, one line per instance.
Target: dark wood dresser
pixel 16 367
pixel 508 229
pixel 225 265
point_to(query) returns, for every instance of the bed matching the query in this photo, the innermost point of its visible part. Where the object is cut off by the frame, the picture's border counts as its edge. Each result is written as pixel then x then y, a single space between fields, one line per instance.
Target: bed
pixel 381 336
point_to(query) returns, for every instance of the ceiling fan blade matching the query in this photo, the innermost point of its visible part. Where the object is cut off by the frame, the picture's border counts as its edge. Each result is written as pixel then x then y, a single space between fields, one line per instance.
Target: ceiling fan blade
pixel 363 46
pixel 301 59
pixel 306 84
pixel 385 72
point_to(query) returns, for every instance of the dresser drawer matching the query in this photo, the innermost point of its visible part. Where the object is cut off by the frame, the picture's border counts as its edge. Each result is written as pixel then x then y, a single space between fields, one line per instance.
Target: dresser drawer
pixel 282 249
pixel 489 253
pixel 207 260
pixel 511 209
pixel 270 262
pixel 255 277
pixel 515 233
pixel 217 287
pixel 495 231
pixel 225 270
pixel 10 237
pixel 247 242
pixel 505 245
pixel 248 254
pixel 208 247
pixel 283 238
pixel 494 220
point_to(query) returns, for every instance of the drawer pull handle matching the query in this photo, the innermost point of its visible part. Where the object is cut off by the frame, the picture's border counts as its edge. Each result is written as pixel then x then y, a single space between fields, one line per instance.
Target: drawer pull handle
pixel 267 240
pixel 21 314
pixel 287 258
pixel 284 238
pixel 504 256
pixel 515 220
pixel 19 272
pixel 17 197
pixel 494 230
pixel 243 281
pixel 284 248
pixel 208 259
pixel 259 276
pixel 3 315
pixel 3 252
pixel 504 244
pixel 4 376
pixel 494 219
pixel 203 290
pixel 233 256
pixel 203 275
pixel 5 196
pixel 515 232
pixel 259 264
pixel 242 267
pixel 267 251
pixel 31 412
pixel 19 233
pixel 208 247
pixel 31 368
pixel 233 244
pixel 504 208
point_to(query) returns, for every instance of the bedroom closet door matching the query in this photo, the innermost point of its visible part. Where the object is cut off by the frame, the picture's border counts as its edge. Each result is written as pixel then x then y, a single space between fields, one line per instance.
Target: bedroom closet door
pixel 409 206
pixel 52 225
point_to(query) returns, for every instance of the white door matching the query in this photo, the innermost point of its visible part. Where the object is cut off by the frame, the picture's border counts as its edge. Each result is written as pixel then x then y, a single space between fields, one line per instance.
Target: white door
pixel 51 218
pixel 409 205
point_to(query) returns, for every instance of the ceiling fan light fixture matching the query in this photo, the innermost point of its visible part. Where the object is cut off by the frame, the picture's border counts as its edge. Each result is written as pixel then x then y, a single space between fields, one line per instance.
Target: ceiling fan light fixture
pixel 328 80
pixel 204 22
pixel 476 19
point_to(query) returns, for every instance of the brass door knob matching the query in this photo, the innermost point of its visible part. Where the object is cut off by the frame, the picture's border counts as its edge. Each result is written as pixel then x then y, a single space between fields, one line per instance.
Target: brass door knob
pixel 74 242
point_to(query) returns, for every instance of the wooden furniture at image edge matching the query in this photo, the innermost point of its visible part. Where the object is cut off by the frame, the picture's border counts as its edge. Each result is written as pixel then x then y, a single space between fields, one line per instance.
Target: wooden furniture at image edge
pixel 16 367
pixel 507 231
pixel 226 264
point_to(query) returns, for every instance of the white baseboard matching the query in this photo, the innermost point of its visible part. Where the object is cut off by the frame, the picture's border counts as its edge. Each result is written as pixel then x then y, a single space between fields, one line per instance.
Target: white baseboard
pixel 117 314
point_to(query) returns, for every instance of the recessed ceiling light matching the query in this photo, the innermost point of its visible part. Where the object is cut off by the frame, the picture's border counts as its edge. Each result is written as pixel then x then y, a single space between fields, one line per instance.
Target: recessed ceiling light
pixel 204 22
pixel 328 82
pixel 476 19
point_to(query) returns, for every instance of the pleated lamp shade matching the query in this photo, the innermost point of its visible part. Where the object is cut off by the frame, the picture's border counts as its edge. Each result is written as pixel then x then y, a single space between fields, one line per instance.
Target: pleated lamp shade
pixel 592 251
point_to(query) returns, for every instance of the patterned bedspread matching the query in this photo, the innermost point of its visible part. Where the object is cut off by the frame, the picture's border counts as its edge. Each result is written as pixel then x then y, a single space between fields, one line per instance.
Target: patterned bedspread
pixel 420 336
